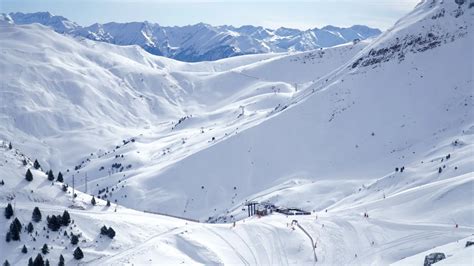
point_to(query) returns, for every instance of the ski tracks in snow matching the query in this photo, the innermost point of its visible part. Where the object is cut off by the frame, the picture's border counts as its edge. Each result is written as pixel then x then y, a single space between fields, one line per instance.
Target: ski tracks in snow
pixel 242 258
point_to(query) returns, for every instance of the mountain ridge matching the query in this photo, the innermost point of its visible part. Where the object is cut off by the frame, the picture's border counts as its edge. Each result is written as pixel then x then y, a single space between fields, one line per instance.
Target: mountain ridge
pixel 200 42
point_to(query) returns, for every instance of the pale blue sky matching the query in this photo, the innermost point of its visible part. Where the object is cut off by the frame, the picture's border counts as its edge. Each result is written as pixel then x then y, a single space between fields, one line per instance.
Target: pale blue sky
pixel 302 14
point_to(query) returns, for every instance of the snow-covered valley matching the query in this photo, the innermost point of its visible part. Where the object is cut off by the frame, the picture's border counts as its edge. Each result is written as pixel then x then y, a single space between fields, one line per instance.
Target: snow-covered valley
pixel 374 139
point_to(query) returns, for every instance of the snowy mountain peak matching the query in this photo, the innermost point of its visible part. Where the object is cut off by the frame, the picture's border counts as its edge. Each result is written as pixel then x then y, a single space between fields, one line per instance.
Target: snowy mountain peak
pixel 201 42
pixel 58 23
pixel 5 18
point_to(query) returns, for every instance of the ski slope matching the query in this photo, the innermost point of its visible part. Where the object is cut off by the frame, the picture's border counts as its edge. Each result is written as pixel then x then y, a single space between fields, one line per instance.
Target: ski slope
pixel 146 238
pixel 322 130
pixel 456 252
pixel 149 96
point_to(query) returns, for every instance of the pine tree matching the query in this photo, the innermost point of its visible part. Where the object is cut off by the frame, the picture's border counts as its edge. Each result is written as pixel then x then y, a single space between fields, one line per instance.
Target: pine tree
pixel 36 165
pixel 93 201
pixel 111 232
pixel 24 249
pixel 54 222
pixel 24 162
pixel 15 229
pixel 45 249
pixel 38 260
pixel 10 146
pixel 6 263
pixel 61 260
pixel 50 175
pixel 8 237
pixel 64 188
pixel 108 203
pixel 36 217
pixel 8 211
pixel 30 227
pixel 60 177
pixel 103 230
pixel 74 239
pixel 2 183
pixel 30 262
pixel 28 176
pixel 65 219
pixel 78 253
pixel 46 263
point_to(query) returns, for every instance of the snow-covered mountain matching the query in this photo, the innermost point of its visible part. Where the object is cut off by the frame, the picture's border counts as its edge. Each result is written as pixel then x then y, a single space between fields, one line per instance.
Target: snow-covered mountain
pixel 201 42
pixel 383 128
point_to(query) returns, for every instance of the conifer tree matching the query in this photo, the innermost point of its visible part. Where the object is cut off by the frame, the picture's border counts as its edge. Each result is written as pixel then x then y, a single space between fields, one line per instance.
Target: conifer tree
pixel 10 146
pixel 78 253
pixel 28 176
pixel 46 263
pixel 60 177
pixel 61 260
pixel 15 229
pixel 45 249
pixel 54 222
pixel 38 260
pixel 108 203
pixel 24 249
pixel 103 230
pixel 93 201
pixel 6 263
pixel 36 165
pixel 30 227
pixel 74 239
pixel 65 219
pixel 36 215
pixel 8 211
pixel 50 175
pixel 111 232
pixel 30 262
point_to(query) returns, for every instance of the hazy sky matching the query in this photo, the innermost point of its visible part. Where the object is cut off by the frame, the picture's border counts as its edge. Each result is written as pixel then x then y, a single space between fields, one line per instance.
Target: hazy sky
pixel 302 14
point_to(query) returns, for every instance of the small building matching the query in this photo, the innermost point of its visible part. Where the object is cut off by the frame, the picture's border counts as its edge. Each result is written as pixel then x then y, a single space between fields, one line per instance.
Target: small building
pixel 292 211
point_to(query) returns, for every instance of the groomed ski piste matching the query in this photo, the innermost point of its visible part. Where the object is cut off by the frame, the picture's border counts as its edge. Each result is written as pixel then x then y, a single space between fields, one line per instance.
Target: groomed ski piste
pixel 322 131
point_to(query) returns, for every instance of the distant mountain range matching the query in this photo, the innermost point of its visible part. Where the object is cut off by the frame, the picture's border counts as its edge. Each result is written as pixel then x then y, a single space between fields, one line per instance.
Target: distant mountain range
pixel 200 42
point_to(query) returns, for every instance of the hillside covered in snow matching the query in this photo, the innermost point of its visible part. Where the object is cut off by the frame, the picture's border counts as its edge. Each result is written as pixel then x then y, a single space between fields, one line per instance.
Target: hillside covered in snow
pixel 200 42
pixel 371 140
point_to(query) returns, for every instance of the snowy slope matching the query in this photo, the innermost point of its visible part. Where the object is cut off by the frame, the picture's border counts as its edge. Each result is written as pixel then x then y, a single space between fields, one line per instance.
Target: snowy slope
pixel 319 130
pixel 146 238
pixel 456 254
pixel 408 117
pixel 151 94
pixel 114 93
pixel 201 42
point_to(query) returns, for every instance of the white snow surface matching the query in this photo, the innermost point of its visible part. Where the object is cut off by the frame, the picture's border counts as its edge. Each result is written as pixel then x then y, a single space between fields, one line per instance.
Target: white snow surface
pixel 322 131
